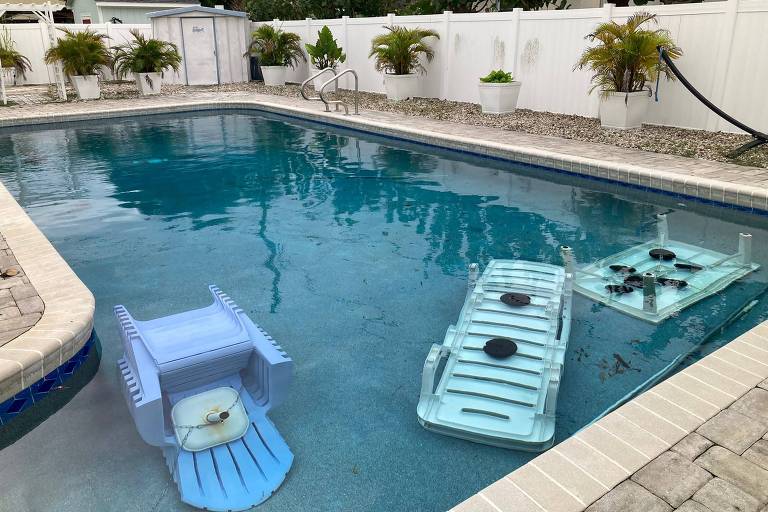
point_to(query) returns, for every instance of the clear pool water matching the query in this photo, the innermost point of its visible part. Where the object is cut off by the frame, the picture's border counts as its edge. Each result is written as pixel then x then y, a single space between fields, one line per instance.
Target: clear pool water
pixel 351 250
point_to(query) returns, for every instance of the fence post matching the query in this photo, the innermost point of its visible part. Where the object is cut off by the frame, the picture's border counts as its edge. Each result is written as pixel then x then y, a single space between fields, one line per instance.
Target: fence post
pixel 516 12
pixel 722 62
pixel 345 30
pixel 595 95
pixel 390 19
pixel 276 23
pixel 446 55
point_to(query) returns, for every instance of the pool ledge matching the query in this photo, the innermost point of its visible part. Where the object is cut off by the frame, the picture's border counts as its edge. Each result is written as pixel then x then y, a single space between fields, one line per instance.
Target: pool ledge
pixel 67 319
pixel 709 181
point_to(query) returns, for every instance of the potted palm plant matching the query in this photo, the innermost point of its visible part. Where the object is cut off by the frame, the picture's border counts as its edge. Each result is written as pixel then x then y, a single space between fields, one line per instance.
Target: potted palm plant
pixel 397 53
pixel 12 63
pixel 498 92
pixel 276 51
pixel 146 59
pixel 325 53
pixel 83 56
pixel 624 61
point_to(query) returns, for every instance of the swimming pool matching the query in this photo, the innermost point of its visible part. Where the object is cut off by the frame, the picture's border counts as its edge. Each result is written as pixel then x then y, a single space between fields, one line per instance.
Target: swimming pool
pixel 351 250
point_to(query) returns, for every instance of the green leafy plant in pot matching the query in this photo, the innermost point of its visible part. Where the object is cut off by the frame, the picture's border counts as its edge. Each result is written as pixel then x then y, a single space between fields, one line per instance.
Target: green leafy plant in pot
pixel 624 63
pixel 398 54
pixel 276 50
pixel 325 53
pixel 146 59
pixel 83 56
pixel 498 92
pixel 13 63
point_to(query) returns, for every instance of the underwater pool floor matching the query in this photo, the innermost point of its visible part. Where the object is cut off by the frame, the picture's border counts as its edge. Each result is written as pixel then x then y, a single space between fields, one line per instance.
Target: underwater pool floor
pixel 351 250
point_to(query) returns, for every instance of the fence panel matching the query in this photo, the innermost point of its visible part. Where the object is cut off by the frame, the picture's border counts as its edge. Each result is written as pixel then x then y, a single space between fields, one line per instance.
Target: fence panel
pixel 724 46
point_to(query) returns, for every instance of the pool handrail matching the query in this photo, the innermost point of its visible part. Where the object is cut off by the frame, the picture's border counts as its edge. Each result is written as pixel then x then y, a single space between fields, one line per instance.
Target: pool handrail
pixel 341 102
pixel 311 78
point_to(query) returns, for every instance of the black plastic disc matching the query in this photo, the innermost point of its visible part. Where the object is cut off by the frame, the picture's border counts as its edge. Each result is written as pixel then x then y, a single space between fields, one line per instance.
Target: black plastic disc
pixel 689 266
pixel 677 283
pixel 634 281
pixel 619 288
pixel 662 254
pixel 500 347
pixel 515 299
pixel 623 268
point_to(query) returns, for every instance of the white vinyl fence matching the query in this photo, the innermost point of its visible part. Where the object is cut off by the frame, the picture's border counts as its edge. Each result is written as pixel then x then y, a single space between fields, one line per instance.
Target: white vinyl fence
pixel 725 46
pixel 32 41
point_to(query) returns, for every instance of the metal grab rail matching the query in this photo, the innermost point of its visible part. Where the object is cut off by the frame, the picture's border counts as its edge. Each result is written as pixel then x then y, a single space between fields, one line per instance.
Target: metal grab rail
pixel 305 82
pixel 335 79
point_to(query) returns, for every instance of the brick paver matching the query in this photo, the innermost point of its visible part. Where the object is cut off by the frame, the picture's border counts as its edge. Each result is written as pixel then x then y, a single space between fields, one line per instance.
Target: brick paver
pixel 719 479
pixel 20 306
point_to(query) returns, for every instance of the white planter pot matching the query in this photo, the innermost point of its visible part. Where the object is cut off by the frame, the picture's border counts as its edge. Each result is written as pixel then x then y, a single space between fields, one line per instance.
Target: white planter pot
pixel 624 110
pixel 148 83
pixel 401 87
pixel 9 76
pixel 274 75
pixel 499 98
pixel 86 87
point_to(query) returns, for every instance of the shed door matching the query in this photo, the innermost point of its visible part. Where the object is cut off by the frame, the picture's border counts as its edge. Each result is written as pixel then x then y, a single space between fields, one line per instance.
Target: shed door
pixel 199 51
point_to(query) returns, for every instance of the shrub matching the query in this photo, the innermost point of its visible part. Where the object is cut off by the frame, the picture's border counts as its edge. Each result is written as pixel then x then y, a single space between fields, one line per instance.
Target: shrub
pixel 81 53
pixel 398 51
pixel 10 58
pixel 625 58
pixel 144 55
pixel 325 53
pixel 274 47
pixel 498 76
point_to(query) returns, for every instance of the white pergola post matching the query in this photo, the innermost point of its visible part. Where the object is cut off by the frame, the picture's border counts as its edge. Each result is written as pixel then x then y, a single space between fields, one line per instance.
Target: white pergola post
pixel 45 14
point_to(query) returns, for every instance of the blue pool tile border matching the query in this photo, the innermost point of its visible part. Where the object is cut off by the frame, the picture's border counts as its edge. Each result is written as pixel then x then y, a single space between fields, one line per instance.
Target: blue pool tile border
pixel 40 390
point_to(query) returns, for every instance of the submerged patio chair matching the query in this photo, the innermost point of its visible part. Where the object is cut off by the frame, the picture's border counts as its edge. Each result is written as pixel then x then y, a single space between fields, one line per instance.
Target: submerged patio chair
pixel 199 385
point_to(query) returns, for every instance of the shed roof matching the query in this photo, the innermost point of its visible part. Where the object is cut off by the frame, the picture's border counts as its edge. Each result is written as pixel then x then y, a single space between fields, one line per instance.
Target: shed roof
pixel 195 8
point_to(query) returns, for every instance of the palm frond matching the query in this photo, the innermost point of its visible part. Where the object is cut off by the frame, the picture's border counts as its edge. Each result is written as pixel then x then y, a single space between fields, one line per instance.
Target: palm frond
pixel 398 52
pixel 274 47
pixel 143 55
pixel 81 53
pixel 625 58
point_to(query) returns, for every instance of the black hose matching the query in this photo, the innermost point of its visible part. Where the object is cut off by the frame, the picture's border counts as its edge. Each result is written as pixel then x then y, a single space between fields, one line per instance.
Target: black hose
pixel 756 134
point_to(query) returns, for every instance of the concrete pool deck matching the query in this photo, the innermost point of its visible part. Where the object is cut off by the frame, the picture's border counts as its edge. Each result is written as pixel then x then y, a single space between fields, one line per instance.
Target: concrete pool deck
pixel 577 472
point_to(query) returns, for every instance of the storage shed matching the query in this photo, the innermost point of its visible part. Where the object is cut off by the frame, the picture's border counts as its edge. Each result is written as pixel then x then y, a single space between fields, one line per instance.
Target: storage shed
pixel 212 43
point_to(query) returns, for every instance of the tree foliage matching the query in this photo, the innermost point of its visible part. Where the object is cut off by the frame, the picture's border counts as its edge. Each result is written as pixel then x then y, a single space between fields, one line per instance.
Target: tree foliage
pixel 10 57
pixel 275 47
pixel 398 51
pixel 80 53
pixel 325 53
pixel 143 55
pixel 625 57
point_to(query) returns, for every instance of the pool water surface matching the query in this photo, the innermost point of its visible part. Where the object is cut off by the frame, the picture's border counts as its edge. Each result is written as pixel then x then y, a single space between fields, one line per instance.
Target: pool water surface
pixel 351 250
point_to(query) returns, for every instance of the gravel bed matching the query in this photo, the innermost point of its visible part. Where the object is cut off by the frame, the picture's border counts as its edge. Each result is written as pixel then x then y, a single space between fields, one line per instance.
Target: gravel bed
pixel 659 139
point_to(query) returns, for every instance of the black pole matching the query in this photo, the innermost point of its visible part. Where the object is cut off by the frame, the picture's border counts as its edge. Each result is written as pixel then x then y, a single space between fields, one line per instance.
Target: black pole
pixel 756 134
